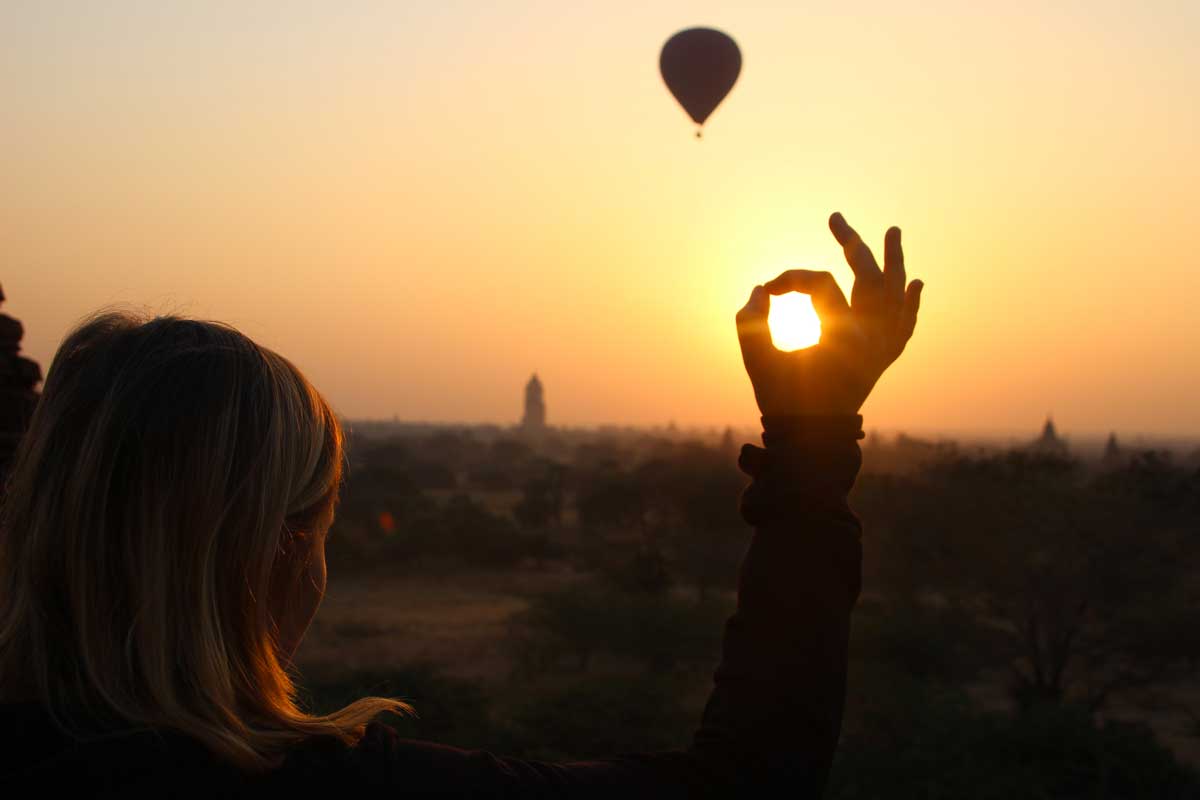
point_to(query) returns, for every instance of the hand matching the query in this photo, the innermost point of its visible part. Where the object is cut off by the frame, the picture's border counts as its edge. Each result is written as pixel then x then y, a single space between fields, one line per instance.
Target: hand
pixel 858 339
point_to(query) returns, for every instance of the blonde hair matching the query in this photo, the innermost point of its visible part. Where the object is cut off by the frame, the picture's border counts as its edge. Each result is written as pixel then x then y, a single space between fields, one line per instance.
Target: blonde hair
pixel 148 507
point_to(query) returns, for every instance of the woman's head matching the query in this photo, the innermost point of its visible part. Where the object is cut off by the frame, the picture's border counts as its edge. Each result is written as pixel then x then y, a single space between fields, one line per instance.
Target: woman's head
pixel 162 541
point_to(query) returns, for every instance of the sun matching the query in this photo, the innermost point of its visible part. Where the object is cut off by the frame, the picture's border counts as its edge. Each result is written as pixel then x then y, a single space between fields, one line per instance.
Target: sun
pixel 793 322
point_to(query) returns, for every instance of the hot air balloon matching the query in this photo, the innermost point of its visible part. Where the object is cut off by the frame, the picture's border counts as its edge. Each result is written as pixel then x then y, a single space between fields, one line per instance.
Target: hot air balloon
pixel 700 66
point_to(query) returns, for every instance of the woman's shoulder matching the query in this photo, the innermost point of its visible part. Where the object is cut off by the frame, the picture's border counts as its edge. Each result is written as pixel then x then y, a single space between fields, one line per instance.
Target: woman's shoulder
pixel 35 751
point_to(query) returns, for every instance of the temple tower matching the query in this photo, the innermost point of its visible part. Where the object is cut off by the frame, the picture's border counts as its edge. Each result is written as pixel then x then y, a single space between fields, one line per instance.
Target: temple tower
pixel 1112 450
pixel 535 405
pixel 1050 443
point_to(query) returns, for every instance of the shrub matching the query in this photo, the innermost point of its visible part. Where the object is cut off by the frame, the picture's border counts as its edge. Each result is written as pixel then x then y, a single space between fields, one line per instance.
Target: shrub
pixel 596 717
pixel 929 744
pixel 659 631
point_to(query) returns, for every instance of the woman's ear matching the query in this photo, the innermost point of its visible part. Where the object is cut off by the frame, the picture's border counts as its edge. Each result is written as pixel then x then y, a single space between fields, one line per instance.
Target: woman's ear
pixel 294 544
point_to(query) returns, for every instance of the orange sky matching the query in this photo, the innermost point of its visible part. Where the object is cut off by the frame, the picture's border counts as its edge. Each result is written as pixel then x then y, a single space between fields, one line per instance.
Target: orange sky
pixel 422 203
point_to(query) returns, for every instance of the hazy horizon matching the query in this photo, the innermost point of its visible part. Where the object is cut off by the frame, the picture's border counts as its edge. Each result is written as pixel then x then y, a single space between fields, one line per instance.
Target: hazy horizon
pixel 1087 439
pixel 421 205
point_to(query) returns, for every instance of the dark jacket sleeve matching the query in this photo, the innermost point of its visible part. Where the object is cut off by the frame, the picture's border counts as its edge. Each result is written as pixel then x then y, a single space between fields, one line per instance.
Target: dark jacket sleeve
pixel 774 714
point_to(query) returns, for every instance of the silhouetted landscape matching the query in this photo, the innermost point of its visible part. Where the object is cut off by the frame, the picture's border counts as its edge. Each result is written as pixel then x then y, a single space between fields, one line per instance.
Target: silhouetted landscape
pixel 1026 629
pixel 393 212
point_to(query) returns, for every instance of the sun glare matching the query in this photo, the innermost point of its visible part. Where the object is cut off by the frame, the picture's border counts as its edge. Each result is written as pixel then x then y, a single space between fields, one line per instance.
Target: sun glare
pixel 793 322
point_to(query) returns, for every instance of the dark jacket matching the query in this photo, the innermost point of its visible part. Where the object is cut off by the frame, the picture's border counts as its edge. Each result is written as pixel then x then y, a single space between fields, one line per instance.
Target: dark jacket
pixel 770 726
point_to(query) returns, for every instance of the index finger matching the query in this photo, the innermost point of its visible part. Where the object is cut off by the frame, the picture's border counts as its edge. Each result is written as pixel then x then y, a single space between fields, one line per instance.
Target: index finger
pixel 858 255
pixel 827 297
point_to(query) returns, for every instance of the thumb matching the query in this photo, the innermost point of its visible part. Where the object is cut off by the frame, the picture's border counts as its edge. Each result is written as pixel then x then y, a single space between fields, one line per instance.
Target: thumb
pixel 753 333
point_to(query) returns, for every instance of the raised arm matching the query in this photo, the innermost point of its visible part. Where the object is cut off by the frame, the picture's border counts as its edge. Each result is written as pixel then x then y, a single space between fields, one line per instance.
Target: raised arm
pixel 776 707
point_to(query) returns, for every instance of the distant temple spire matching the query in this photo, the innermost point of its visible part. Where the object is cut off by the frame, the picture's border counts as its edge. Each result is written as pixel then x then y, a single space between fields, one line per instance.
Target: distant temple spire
pixel 535 405
pixel 1112 450
pixel 1050 442
pixel 1114 453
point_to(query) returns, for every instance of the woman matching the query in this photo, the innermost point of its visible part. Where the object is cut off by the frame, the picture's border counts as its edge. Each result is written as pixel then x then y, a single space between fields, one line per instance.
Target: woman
pixel 162 554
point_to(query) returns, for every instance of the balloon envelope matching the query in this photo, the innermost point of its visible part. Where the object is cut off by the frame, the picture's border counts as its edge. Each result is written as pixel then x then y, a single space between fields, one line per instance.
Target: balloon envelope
pixel 700 66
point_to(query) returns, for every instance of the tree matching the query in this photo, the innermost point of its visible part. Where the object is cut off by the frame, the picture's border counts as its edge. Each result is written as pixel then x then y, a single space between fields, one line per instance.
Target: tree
pixel 612 501
pixel 1083 584
pixel 543 497
pixel 468 531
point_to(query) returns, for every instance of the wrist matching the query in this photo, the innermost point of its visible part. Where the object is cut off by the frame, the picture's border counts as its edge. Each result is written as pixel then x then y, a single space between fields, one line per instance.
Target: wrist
pixel 811 429
pixel 815 451
pixel 808 463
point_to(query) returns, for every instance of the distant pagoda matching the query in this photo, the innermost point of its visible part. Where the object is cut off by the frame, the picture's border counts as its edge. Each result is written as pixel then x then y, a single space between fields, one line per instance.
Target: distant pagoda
pixel 535 406
pixel 1050 443
pixel 1112 450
